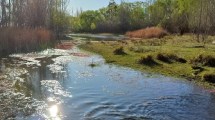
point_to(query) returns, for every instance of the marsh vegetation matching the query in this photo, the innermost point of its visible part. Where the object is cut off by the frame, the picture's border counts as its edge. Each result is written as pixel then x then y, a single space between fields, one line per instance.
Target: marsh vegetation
pixel 172 55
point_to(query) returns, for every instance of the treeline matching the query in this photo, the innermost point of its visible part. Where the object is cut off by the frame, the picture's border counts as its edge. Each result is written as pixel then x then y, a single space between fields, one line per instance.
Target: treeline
pixel 49 14
pixel 35 23
pixel 176 16
pixel 113 18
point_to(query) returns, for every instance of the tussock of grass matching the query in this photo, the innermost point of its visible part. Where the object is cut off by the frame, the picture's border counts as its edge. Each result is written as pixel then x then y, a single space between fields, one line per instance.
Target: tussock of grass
pixel 197 70
pixel 148 60
pixel 119 51
pixel 152 32
pixel 164 58
pixel 209 78
pixel 170 58
pixel 181 60
pixel 204 60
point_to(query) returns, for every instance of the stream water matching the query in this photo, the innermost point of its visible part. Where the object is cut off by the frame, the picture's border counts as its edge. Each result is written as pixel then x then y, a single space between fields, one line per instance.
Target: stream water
pixel 96 37
pixel 64 87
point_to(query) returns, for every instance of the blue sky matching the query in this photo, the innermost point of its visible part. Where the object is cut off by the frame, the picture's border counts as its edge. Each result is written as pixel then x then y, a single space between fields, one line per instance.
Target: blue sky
pixel 90 4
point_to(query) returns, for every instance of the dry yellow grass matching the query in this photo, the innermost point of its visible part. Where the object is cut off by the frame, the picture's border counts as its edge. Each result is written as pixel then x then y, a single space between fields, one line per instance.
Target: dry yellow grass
pixel 152 32
pixel 14 39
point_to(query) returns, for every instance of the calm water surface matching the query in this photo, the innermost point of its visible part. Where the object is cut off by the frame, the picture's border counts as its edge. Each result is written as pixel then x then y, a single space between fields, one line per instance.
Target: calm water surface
pixel 109 92
pixel 96 37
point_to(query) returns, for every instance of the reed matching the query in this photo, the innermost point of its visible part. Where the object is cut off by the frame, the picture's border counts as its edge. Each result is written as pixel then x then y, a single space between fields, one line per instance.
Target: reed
pixel 151 32
pixel 15 40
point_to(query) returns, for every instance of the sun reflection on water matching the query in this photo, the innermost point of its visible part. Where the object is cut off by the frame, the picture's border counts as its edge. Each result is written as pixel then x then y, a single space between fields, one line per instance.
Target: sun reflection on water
pixel 54 112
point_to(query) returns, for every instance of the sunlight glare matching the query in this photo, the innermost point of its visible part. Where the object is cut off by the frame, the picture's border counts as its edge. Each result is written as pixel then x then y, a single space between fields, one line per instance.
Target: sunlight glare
pixel 53 110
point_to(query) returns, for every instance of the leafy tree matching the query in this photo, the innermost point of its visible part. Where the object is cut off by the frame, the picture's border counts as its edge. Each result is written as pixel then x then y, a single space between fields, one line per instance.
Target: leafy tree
pixel 93 26
pixel 177 16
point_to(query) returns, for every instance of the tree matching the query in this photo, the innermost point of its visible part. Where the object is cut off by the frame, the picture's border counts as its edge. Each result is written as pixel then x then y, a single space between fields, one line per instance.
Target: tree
pixel 93 26
pixel 124 17
pixel 3 12
pixel 176 16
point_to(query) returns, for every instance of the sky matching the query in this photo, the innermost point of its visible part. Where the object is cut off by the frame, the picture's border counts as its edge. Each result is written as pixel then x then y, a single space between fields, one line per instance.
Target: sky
pixel 90 4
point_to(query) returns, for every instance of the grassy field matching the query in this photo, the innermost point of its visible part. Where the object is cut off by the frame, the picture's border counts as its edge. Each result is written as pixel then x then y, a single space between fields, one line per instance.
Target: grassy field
pixel 178 56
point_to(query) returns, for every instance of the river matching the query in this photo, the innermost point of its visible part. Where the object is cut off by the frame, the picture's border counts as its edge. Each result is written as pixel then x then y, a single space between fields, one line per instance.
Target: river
pixel 63 86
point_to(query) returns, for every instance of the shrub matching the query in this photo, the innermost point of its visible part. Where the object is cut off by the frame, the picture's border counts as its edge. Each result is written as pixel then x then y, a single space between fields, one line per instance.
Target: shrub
pixel 148 60
pixel 205 60
pixel 209 78
pixel 152 32
pixel 119 51
pixel 169 58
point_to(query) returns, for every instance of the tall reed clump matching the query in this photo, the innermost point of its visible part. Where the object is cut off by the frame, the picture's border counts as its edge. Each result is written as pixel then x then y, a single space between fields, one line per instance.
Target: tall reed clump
pixel 14 39
pixel 151 32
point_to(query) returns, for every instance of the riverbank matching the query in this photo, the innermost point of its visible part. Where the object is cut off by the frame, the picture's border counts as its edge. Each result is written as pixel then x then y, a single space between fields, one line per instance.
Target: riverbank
pixel 178 56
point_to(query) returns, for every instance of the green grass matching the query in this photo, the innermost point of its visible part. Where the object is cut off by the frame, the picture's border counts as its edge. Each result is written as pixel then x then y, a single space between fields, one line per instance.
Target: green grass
pixel 182 46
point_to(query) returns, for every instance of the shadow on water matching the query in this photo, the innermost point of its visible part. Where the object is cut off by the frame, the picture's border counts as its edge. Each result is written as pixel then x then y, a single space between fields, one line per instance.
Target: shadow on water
pixel 109 92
